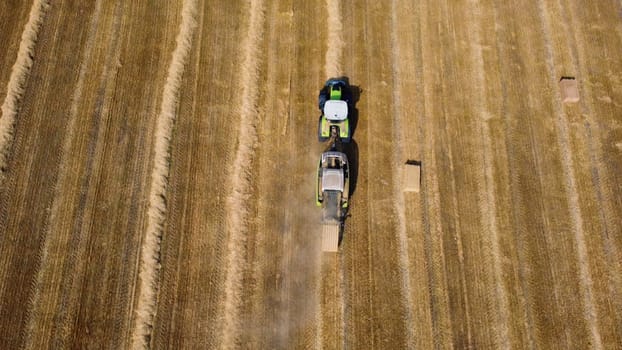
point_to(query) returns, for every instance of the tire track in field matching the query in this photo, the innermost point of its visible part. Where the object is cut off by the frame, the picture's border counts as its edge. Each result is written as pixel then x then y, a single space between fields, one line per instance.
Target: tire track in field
pixel 150 250
pixel 237 210
pixel 32 316
pixel 454 246
pixel 383 291
pixel 333 67
pixel 524 315
pixel 17 80
pixel 603 183
pixel 570 185
pixel 416 217
pixel 522 319
pixel 436 268
pixel 580 32
pixel 536 215
pixel 264 310
pixel 296 308
pixel 399 202
pixel 487 198
pixel 602 178
pixel 536 248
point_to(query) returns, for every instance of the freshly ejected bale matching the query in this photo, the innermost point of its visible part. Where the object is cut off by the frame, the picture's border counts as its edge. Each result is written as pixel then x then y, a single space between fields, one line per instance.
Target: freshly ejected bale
pixel 330 238
pixel 411 176
pixel 569 89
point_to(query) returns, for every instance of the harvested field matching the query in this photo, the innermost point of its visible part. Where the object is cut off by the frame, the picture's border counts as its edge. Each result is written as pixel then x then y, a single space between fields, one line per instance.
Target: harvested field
pixel 158 169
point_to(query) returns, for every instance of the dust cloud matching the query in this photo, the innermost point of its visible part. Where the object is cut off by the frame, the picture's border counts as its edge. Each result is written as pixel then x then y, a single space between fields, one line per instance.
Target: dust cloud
pixel 292 302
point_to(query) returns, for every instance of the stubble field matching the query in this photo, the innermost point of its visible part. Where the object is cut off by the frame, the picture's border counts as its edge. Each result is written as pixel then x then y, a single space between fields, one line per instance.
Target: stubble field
pixel 158 167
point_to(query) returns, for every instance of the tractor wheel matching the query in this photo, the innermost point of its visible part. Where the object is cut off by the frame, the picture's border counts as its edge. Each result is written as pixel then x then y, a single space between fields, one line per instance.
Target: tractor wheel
pixel 319 131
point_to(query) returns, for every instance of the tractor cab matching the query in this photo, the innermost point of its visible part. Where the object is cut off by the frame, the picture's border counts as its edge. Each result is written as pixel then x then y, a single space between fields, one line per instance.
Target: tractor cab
pixel 336 110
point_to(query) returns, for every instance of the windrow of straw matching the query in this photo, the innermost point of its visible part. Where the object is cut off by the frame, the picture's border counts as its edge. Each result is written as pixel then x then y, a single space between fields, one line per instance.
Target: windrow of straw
pixel 335 40
pixel 150 254
pixel 241 174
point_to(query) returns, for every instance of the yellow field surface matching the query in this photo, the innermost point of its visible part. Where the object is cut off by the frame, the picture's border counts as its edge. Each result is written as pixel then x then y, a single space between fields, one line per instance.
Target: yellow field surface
pixel 158 164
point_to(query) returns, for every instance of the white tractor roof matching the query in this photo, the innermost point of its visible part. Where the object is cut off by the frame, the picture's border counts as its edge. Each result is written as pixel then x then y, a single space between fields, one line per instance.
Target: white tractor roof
pixel 336 110
pixel 332 180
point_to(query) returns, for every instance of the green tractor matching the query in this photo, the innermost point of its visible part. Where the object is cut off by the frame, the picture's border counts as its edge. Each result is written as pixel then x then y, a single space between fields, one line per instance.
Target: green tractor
pixel 334 103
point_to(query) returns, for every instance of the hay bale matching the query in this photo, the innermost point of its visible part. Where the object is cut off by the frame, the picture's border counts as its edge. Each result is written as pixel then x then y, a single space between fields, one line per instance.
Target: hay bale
pixel 569 89
pixel 330 238
pixel 411 176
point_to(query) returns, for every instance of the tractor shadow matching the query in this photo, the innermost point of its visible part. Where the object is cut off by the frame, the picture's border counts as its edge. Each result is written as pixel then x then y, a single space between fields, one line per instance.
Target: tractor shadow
pixel 353 113
pixel 351 150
